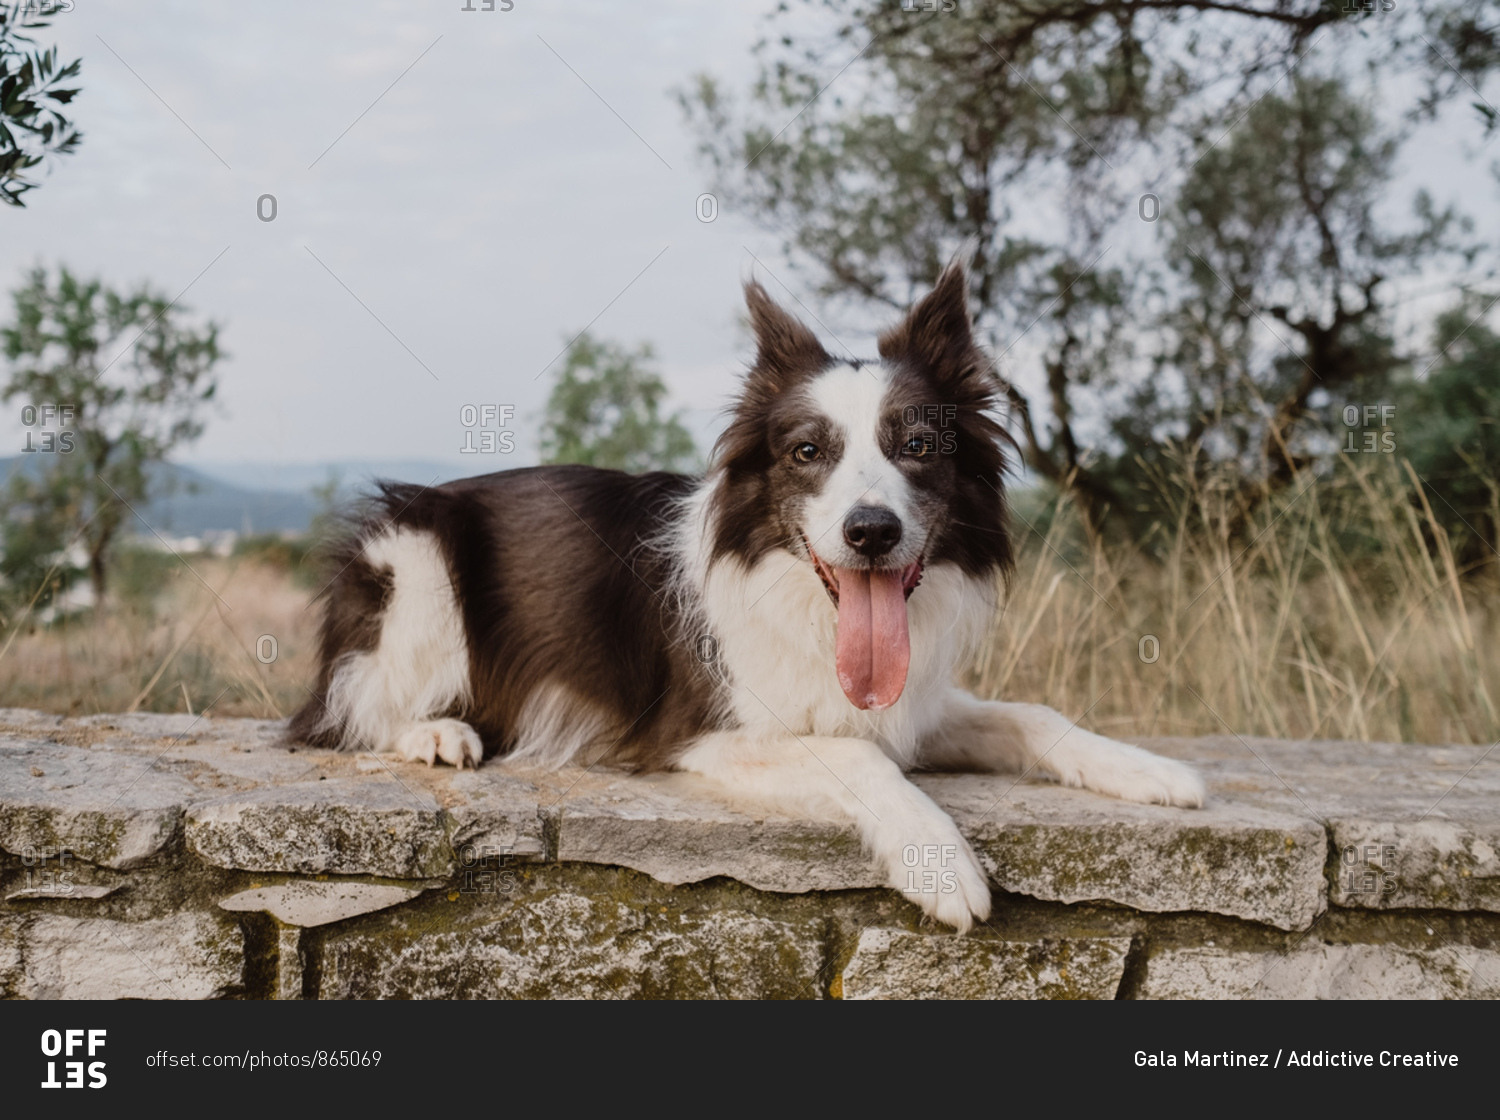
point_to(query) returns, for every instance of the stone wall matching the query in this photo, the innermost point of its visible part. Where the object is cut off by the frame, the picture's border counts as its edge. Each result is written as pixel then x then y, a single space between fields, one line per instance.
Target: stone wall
pixel 147 856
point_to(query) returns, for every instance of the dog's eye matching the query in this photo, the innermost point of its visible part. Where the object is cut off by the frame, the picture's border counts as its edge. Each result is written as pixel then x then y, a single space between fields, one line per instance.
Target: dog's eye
pixel 806 452
pixel 916 447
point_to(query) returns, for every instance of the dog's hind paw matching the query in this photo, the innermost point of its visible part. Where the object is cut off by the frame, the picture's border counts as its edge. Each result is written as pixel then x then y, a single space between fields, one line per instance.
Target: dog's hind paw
pixel 446 740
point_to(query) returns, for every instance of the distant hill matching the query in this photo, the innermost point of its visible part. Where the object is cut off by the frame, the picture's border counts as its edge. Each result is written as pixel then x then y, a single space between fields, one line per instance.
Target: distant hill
pixel 249 497
pixel 353 474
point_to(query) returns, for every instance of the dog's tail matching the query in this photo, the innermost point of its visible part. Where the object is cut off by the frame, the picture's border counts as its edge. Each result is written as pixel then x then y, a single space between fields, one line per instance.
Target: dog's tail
pixel 385 568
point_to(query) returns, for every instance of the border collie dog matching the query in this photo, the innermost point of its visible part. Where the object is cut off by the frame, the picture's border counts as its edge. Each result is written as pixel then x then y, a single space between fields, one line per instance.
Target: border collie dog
pixel 790 626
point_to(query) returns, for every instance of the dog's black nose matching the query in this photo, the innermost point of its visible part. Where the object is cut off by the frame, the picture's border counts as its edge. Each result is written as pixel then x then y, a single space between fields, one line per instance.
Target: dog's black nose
pixel 872 531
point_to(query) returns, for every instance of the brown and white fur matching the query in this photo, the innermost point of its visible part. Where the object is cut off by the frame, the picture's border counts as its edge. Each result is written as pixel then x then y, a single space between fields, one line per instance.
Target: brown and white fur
pixel 790 626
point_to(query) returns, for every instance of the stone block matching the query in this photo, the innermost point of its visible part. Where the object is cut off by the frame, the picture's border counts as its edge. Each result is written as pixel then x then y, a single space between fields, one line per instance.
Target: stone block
pixel 313 903
pixel 337 827
pixel 1323 971
pixel 1069 845
pixel 671 828
pixel 896 964
pixel 115 810
pixel 561 944
pixel 180 956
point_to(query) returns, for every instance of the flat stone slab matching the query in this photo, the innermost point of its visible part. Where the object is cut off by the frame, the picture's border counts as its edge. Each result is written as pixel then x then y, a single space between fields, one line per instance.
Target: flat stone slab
pixel 896 964
pixel 336 827
pixel 1318 971
pixel 1412 825
pixel 312 903
pixel 566 945
pixel 59 802
pixel 494 815
pixel 671 828
pixel 65 891
pixel 181 956
pixel 1431 863
pixel 1069 845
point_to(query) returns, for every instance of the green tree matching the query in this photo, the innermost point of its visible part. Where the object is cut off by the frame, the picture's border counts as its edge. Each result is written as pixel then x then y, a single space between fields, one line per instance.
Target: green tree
pixel 881 143
pixel 128 379
pixel 606 411
pixel 1448 426
pixel 32 126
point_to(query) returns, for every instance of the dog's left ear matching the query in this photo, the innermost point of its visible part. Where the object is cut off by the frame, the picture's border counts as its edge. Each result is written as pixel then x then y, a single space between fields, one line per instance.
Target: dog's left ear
pixel 937 333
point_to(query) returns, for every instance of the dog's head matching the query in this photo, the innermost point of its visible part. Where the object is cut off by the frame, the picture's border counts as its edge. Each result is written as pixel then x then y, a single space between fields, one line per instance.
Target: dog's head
pixel 869 471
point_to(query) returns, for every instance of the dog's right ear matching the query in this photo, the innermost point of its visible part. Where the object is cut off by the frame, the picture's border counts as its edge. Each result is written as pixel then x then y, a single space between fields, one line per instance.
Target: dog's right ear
pixel 785 348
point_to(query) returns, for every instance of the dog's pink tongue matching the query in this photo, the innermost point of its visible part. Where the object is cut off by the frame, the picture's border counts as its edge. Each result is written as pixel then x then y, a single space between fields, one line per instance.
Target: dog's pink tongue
pixel 873 650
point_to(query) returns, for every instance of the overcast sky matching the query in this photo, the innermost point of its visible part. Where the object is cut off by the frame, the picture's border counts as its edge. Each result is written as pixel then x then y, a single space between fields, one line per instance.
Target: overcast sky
pixel 489 205
pixel 435 240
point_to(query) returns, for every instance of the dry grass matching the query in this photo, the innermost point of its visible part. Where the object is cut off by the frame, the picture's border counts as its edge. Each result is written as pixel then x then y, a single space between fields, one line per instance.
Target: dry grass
pixel 1341 613
pixel 191 646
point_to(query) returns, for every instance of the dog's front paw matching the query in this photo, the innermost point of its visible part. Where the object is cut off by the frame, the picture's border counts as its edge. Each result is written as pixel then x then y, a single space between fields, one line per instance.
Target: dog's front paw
pixel 1169 782
pixel 449 740
pixel 1126 772
pixel 944 879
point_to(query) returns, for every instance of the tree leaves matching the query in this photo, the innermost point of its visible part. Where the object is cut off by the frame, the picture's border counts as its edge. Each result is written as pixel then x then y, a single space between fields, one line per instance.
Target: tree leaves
pixel 30 128
pixel 134 376
pixel 605 411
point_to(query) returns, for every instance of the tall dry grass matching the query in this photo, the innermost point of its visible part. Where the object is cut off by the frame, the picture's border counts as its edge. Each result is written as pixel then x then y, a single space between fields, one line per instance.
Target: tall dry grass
pixel 1340 612
pixel 195 641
